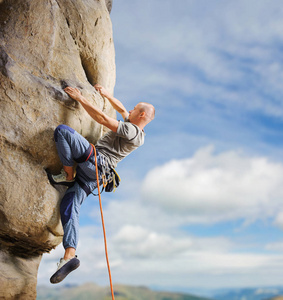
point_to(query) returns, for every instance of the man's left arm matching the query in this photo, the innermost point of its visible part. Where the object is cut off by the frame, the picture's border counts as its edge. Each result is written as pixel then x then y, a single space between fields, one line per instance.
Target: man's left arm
pixel 97 114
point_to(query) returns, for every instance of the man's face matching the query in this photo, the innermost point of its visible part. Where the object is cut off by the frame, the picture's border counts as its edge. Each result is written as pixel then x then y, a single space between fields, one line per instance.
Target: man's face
pixel 134 113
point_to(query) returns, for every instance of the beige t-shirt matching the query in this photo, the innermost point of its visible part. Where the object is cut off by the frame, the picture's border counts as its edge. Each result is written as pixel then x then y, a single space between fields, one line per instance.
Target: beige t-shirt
pixel 117 145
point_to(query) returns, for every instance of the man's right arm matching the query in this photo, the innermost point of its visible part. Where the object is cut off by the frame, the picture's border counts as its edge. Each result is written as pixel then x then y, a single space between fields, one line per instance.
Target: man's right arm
pixel 116 104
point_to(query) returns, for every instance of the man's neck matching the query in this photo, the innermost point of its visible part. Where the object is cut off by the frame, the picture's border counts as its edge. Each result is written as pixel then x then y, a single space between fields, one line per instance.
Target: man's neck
pixel 139 124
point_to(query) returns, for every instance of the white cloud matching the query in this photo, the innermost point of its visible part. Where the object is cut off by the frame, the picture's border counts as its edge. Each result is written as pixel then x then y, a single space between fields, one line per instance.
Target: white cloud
pixel 275 247
pixel 139 242
pixel 143 256
pixel 279 218
pixel 145 243
pixel 211 187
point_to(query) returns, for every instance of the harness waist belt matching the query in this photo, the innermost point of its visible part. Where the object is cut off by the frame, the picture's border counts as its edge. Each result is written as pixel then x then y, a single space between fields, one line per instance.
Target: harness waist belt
pixel 85 156
pixel 83 186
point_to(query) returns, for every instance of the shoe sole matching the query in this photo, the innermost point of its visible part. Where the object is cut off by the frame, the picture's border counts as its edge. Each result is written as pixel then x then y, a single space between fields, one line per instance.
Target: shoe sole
pixel 51 180
pixel 61 274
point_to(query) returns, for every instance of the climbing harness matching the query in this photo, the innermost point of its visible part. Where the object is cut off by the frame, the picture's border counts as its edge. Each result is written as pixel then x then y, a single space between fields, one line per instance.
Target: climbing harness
pixel 110 178
pixel 102 219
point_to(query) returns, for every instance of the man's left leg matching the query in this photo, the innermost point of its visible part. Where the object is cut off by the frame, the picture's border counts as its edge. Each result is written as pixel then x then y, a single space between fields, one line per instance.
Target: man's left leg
pixel 71 147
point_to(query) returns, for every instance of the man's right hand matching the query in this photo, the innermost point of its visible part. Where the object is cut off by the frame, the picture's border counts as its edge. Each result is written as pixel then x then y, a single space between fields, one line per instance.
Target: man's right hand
pixel 116 104
pixel 102 90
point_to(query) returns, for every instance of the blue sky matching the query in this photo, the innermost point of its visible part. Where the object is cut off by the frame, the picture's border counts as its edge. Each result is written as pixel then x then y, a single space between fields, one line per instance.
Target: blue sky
pixel 200 203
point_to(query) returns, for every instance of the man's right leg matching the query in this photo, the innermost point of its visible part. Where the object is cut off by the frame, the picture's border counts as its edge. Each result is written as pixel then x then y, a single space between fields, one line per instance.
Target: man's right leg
pixel 69 210
pixel 70 252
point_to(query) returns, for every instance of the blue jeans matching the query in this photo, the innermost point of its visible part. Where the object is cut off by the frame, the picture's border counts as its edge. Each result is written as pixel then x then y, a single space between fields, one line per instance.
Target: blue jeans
pixel 70 146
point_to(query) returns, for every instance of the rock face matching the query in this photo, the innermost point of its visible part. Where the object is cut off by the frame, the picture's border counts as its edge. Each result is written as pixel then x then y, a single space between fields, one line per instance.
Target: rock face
pixel 44 46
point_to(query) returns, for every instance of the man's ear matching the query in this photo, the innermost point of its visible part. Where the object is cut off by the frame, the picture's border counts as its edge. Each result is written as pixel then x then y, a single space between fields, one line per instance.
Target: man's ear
pixel 142 114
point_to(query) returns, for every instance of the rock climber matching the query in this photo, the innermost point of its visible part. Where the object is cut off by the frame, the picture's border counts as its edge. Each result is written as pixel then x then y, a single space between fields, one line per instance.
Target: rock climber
pixel 122 138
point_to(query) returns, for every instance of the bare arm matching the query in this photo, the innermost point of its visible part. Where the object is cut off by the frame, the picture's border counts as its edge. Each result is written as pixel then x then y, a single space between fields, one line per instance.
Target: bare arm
pixel 97 114
pixel 116 104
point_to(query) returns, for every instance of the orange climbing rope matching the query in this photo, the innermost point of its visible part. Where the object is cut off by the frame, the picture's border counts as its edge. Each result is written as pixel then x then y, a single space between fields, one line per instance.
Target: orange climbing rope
pixel 102 219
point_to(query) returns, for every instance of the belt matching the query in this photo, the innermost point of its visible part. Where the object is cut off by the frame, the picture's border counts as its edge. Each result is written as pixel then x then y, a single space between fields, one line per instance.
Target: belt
pixel 83 186
pixel 86 155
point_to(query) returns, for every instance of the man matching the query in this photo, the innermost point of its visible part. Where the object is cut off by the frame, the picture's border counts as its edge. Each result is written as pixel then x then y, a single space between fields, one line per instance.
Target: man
pixel 121 140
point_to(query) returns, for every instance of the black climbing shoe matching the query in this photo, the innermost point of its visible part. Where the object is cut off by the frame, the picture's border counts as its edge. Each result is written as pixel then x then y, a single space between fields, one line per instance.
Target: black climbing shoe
pixel 65 267
pixel 60 179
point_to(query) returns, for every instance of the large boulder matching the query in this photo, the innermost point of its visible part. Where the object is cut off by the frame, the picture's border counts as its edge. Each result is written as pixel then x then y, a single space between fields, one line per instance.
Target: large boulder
pixel 44 46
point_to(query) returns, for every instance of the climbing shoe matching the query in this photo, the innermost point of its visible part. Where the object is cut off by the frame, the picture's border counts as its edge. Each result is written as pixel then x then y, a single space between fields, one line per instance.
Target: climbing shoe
pixel 60 179
pixel 65 267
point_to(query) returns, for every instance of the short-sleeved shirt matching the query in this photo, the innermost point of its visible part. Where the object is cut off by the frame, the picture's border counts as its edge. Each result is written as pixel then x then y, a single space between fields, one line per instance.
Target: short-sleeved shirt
pixel 117 145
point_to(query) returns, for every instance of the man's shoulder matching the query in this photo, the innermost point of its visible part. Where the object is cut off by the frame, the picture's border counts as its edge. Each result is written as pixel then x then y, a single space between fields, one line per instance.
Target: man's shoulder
pixel 129 131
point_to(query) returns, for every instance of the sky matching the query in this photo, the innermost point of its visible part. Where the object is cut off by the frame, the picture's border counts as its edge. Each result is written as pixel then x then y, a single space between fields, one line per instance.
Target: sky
pixel 200 203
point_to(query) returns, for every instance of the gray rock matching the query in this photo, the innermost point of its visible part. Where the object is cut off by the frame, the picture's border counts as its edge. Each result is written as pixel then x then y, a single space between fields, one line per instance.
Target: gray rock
pixel 44 46
pixel 109 5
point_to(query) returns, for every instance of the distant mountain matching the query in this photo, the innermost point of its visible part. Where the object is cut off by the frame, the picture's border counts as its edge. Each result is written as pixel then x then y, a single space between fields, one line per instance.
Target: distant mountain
pixel 91 291
pixel 267 293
